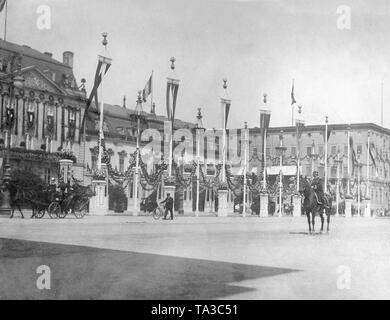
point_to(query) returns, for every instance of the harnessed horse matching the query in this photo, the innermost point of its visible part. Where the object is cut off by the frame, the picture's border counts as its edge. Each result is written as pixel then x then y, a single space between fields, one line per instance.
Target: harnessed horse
pixel 312 206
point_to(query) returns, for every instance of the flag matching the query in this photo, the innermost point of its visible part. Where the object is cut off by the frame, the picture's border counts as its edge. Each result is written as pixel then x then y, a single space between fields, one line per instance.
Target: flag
pixel 2 4
pixel 328 135
pixel 354 159
pixel 292 95
pixel 172 89
pixel 225 114
pixel 373 158
pixel 148 88
pixel 93 94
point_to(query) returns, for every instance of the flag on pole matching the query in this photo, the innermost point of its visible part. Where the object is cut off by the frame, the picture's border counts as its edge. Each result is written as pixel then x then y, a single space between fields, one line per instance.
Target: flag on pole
pixel 148 88
pixel 293 101
pixel 328 135
pixel 2 4
pixel 354 158
pixel 172 89
pixel 93 94
pixel 225 113
pixel 372 147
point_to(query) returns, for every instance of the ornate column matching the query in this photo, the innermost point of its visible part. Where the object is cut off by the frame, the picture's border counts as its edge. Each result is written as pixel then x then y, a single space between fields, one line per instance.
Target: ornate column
pixel 297 199
pixel 223 188
pixel 280 151
pixel 265 117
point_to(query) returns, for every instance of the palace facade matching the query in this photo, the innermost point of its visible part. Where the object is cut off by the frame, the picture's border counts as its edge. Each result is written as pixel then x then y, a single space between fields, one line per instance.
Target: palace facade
pixel 43 116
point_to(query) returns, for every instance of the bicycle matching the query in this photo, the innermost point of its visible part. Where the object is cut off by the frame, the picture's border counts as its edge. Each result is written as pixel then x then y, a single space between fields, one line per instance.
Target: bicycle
pixel 157 212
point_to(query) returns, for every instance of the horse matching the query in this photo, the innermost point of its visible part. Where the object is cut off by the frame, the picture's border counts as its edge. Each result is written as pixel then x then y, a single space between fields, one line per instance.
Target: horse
pixel 311 207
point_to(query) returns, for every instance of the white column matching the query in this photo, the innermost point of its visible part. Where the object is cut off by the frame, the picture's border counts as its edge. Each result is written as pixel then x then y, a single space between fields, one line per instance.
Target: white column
pixel 245 172
pixel 326 155
pixel 197 173
pixel 367 209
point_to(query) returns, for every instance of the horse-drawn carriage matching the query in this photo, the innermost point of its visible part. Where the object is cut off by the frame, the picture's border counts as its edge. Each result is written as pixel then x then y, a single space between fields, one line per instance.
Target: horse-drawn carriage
pixel 46 199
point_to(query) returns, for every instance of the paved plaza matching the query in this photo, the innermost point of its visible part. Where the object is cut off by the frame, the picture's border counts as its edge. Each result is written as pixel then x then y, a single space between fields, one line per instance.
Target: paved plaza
pixel 195 258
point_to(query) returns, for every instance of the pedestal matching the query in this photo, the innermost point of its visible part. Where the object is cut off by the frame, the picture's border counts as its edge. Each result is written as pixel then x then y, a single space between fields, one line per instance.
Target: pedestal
pixel 99 203
pixel 171 190
pixel 222 203
pixel 367 208
pixel 348 208
pixel 297 206
pixel 264 205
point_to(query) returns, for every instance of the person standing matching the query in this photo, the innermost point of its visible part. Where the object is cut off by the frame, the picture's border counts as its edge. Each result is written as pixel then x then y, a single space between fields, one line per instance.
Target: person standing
pixel 168 206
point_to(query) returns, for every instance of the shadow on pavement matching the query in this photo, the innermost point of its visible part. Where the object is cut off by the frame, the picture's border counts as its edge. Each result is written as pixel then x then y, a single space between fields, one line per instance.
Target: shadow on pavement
pixel 90 273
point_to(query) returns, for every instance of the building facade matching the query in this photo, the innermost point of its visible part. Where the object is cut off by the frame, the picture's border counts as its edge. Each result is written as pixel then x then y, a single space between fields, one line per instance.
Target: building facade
pixel 43 116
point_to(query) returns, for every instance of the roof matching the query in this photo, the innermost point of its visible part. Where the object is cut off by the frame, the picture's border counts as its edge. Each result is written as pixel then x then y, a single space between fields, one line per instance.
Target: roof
pixel 57 70
pixel 334 127
pixel 117 117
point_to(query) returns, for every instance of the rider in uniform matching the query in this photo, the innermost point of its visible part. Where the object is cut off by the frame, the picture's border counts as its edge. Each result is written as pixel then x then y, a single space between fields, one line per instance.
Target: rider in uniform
pixel 317 185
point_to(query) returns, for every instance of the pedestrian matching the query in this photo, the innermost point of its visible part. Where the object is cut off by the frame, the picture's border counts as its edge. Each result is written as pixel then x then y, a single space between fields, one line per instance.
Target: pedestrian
pixel 168 206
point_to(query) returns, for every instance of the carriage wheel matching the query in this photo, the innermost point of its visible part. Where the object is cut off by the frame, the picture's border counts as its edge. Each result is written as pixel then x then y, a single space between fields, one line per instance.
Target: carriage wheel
pixel 81 210
pixel 54 210
pixel 40 213
pixel 62 214
pixel 157 213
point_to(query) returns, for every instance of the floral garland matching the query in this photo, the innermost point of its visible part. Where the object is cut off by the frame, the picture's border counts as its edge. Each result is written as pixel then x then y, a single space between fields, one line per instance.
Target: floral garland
pixel 185 182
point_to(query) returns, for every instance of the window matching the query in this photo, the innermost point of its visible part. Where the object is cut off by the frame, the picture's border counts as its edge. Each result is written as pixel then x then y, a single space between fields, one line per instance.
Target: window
pixel 308 151
pixel 334 150
pixel 94 162
pixel 345 150
pixel 359 149
pixel 333 172
pixel 47 175
pixel 321 150
pixel 122 164
pixel 293 151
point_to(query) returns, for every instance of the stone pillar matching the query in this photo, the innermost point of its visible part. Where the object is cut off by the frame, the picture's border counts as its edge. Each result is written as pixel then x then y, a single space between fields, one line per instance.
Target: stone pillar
pixel 66 169
pixel 367 207
pixel 222 203
pixel 348 207
pixel 99 203
pixel 297 205
pixel 264 205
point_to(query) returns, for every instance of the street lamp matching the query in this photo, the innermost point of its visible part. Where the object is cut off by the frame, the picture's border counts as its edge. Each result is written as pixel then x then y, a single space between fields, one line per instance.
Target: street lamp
pixel 15 81
pixel 280 151
pixel 359 165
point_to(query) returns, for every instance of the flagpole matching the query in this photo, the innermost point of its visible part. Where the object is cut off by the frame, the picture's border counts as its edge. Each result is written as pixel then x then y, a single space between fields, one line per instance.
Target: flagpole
pixel 349 160
pixel 326 154
pixel 151 92
pixel 368 164
pixel 5 21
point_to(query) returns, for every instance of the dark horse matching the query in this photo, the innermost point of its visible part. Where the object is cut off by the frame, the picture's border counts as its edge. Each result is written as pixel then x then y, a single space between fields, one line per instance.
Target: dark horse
pixel 312 207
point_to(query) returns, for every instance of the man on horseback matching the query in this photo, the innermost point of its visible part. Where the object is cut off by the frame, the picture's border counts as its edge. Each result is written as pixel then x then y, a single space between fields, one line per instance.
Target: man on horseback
pixel 317 185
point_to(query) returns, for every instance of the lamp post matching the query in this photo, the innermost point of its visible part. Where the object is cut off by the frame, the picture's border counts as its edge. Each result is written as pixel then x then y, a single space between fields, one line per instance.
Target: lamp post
pixel 14 80
pixel 280 152
pixel 199 131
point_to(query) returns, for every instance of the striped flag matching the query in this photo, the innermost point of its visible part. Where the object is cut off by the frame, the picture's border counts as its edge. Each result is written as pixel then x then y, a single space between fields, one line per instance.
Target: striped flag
pixel 93 94
pixel 293 101
pixel 373 158
pixel 2 4
pixel 354 158
pixel 148 88
pixel 172 89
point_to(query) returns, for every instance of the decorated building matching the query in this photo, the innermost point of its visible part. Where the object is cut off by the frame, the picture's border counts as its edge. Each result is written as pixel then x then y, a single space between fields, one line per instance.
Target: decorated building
pixel 41 118
pixel 368 166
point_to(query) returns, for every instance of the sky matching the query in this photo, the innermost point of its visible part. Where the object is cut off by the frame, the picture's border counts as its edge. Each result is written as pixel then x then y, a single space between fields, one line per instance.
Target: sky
pixel 260 46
